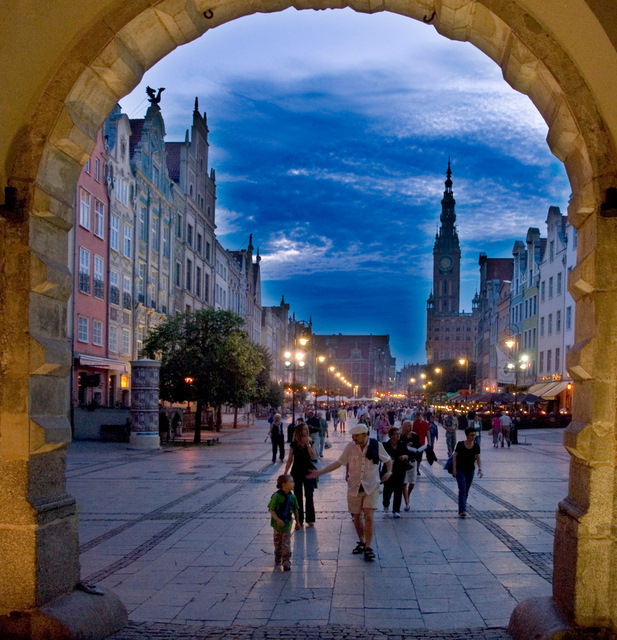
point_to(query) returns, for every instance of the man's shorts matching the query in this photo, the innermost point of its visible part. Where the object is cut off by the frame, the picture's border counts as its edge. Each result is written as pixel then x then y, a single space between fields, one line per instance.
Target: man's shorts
pixel 412 474
pixel 356 504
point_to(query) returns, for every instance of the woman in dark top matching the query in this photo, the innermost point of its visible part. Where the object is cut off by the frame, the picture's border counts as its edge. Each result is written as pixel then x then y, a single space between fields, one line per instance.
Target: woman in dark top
pixel 466 454
pixel 394 485
pixel 301 456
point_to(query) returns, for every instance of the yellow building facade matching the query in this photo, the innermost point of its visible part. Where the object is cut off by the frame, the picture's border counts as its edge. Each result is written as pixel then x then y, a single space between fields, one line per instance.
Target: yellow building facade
pixel 65 64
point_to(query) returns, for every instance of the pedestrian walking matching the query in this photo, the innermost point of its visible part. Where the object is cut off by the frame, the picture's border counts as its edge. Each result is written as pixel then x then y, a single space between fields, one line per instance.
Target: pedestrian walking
pixel 277 437
pixel 300 461
pixel 506 426
pixel 393 487
pixel 472 421
pixel 412 443
pixel 282 506
pixel 342 418
pixel 496 427
pixel 434 430
pixel 466 455
pixel 323 434
pixel 422 428
pixel 450 423
pixel 362 457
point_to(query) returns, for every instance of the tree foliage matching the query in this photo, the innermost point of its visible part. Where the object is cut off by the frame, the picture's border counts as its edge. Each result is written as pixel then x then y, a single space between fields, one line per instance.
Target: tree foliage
pixel 207 358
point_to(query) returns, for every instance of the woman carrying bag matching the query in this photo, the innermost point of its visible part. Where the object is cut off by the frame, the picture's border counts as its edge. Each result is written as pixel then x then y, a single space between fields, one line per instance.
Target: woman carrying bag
pixel 466 454
pixel 300 460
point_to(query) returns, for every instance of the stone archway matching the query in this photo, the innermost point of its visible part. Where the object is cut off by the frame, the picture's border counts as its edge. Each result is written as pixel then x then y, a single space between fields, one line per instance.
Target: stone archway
pixel 39 533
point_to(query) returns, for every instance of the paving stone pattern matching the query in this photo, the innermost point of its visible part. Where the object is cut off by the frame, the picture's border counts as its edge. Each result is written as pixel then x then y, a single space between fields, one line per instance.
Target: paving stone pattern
pixel 183 536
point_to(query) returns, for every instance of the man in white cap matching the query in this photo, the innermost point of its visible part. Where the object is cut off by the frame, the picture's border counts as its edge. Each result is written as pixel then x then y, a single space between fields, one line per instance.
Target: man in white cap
pixel 362 456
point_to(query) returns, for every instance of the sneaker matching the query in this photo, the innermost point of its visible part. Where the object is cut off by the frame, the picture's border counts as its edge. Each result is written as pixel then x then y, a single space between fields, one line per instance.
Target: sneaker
pixel 396 515
pixel 287 566
pixel 462 515
pixel 386 512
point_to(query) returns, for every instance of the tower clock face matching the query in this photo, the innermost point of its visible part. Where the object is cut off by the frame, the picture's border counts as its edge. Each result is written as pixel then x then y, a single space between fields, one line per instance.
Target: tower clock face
pixel 445 264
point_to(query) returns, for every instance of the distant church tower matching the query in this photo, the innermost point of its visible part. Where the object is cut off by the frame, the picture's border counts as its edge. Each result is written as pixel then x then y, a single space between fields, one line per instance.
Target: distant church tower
pixel 450 334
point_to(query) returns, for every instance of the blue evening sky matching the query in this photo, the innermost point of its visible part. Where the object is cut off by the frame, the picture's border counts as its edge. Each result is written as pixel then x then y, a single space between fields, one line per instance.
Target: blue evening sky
pixel 330 134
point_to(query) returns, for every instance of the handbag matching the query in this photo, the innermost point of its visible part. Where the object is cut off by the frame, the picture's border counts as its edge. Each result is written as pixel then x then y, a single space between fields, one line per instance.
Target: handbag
pixel 327 444
pixel 449 464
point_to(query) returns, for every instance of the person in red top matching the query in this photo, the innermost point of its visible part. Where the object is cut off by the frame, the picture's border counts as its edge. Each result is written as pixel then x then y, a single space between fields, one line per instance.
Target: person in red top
pixel 421 427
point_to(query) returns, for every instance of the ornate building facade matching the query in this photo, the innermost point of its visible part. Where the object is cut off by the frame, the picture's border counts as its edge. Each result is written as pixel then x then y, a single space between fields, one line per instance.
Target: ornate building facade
pixel 450 333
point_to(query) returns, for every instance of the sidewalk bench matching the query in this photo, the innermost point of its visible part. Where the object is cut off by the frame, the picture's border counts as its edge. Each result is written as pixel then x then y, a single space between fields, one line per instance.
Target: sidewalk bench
pixel 188 439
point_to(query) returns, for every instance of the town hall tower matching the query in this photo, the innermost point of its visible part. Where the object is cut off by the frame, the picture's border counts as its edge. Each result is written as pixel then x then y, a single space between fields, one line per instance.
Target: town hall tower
pixel 450 333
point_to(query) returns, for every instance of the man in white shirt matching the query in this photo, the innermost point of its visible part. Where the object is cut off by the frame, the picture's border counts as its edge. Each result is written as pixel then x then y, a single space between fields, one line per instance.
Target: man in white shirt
pixel 506 427
pixel 362 457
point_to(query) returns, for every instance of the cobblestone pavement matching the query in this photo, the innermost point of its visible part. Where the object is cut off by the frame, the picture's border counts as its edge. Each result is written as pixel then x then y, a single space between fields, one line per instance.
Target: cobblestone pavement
pixel 182 535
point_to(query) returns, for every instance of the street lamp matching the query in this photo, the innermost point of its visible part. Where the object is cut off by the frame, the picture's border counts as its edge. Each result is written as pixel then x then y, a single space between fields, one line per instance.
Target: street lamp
pixel 520 362
pixel 440 372
pixel 464 361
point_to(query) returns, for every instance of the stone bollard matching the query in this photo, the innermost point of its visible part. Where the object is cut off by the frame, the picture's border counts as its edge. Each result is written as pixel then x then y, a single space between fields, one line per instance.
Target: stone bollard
pixel 145 404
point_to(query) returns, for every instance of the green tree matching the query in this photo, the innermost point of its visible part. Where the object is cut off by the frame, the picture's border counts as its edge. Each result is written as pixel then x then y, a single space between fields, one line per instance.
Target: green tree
pixel 206 357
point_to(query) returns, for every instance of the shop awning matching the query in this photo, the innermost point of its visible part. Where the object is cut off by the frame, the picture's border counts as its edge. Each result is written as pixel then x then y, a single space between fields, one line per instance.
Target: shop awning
pixel 555 390
pixel 101 363
pixel 548 390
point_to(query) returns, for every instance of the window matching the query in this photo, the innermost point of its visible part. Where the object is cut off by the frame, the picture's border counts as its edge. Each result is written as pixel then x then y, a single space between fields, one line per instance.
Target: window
pixel 142 222
pixel 128 239
pixel 97 169
pixel 541 367
pixel 530 277
pixel 548 361
pixel 551 250
pixel 189 235
pixel 113 339
pixel 189 268
pixel 557 359
pixel 155 233
pixel 198 282
pixel 166 235
pixel 558 283
pixel 126 341
pixel 84 270
pixel 542 290
pixel 82 329
pixel 87 166
pixel 208 251
pixel 568 318
pixel 177 277
pixel 114 235
pixel 97 333
pixel 114 287
pixel 99 280
pixel 99 219
pixel 535 337
pixel 550 324
pixel 156 176
pixel 574 237
pixel 179 227
pixel 140 282
pixel 558 322
pixel 550 287
pixel 526 309
pixel 199 243
pixel 207 287
pixel 85 200
pixel 126 292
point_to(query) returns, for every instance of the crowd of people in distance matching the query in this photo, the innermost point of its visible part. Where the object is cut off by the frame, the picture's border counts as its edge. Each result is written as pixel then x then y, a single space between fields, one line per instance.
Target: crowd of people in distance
pixel 388 443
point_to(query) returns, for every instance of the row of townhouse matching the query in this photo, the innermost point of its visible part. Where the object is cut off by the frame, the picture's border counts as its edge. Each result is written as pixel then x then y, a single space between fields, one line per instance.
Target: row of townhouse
pixel 145 247
pixel 524 301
